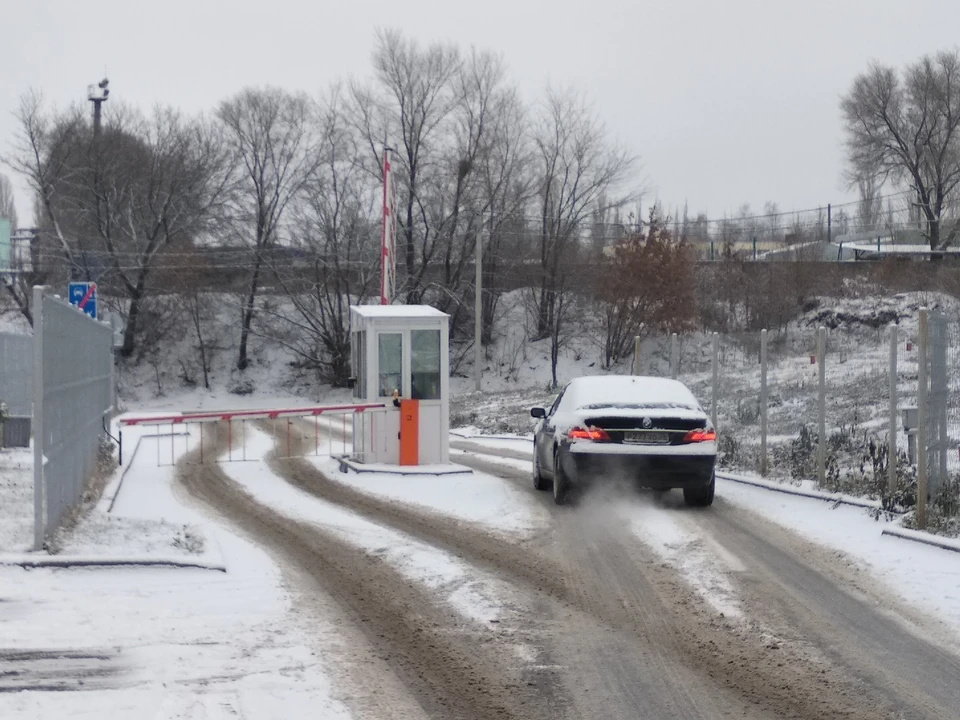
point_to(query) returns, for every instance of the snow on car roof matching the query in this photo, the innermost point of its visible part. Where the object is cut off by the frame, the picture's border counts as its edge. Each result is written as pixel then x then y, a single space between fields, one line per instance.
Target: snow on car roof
pixel 628 391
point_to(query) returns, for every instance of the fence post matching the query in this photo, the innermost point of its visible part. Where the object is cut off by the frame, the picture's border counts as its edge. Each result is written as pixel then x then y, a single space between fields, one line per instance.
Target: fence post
pixel 822 407
pixel 635 367
pixel 674 355
pixel 716 379
pixel 892 438
pixel 922 422
pixel 763 402
pixel 39 495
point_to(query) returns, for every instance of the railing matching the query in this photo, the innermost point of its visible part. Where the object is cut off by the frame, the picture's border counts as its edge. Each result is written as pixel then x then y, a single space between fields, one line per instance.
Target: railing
pixel 223 436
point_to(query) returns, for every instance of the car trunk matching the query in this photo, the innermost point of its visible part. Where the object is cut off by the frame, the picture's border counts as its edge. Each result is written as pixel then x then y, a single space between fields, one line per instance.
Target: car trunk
pixel 617 427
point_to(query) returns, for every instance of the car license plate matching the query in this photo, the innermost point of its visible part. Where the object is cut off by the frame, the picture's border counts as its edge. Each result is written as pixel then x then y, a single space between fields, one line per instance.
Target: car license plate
pixel 646 438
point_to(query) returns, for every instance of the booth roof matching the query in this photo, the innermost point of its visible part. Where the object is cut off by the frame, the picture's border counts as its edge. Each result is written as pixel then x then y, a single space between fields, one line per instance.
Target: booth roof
pixel 398 311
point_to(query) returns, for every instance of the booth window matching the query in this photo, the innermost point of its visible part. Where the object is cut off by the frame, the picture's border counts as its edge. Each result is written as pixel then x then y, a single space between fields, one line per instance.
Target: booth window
pixel 391 363
pixel 425 364
pixel 358 360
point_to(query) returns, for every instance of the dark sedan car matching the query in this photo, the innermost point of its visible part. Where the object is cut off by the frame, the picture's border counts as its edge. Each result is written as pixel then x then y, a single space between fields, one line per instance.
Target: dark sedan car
pixel 648 430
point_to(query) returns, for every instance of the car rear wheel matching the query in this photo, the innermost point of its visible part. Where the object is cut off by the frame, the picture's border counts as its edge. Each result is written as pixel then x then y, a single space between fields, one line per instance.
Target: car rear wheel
pixel 701 496
pixel 539 481
pixel 561 485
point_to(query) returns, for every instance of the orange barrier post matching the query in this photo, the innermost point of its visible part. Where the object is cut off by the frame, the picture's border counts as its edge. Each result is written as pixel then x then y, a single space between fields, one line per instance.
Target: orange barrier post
pixel 409 432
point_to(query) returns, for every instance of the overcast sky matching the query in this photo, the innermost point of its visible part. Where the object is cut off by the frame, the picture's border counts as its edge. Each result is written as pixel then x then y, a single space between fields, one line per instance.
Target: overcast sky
pixel 726 102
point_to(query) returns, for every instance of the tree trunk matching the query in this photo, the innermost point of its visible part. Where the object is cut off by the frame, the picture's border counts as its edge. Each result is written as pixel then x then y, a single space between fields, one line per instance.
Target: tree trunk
pixel 130 331
pixel 410 255
pixel 247 317
pixel 23 304
pixel 203 346
pixel 934 224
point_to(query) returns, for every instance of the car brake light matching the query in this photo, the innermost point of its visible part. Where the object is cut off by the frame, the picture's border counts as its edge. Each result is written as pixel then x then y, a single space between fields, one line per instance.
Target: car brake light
pixel 593 433
pixel 700 435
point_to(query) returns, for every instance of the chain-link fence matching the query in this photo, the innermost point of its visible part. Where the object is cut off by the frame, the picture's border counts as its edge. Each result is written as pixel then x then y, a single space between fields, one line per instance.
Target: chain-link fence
pixel 837 406
pixel 16 384
pixel 73 391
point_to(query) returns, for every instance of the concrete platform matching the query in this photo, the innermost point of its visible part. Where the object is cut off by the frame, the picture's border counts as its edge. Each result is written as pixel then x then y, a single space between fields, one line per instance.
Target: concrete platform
pixel 346 465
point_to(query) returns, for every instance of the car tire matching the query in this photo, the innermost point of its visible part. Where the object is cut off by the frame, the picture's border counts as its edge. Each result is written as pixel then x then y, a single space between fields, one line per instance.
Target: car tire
pixel 701 496
pixel 539 481
pixel 561 484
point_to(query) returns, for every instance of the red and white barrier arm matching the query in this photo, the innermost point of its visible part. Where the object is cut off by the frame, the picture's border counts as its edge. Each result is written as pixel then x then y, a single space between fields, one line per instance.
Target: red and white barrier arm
pixel 270 414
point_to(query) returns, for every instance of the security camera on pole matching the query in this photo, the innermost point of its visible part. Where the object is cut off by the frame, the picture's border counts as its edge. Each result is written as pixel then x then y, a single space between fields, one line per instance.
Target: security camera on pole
pixel 97 94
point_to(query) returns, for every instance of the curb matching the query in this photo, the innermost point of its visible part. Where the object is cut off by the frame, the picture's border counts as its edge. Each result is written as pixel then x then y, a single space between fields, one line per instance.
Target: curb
pixel 812 495
pixel 517 438
pixel 921 537
pixel 67 562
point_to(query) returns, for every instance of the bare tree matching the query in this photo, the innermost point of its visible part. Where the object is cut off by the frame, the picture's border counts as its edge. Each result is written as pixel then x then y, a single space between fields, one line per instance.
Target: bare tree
pixel 270 131
pixel 508 186
pixel 905 127
pixel 45 153
pixel 577 165
pixel 13 282
pixel 8 206
pixel 114 202
pixel 337 224
pixel 645 285
pixel 415 94
pixel 870 205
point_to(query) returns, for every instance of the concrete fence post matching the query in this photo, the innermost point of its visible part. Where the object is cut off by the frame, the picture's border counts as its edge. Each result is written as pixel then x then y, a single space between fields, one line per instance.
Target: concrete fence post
pixel 922 421
pixel 892 432
pixel 763 402
pixel 716 380
pixel 39 491
pixel 674 356
pixel 822 406
pixel 635 366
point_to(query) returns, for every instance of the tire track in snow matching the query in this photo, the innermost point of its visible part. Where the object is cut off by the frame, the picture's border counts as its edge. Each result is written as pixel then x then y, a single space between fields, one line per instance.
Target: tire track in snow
pixel 716 670
pixel 451 667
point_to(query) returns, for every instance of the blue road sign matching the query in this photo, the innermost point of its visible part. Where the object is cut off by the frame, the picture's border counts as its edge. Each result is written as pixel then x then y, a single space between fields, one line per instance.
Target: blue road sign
pixel 84 296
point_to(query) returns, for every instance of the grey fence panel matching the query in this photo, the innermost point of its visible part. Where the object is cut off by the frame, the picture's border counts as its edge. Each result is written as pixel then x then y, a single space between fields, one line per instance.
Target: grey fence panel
pixel 16 433
pixel 74 393
pixel 16 373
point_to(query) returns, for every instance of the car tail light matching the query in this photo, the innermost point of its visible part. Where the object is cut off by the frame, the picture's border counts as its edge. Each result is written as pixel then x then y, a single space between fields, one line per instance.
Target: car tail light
pixel 700 435
pixel 592 433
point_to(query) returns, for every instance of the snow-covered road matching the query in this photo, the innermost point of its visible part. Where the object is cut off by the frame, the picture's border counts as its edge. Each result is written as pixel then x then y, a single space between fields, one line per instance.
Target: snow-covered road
pixel 368 596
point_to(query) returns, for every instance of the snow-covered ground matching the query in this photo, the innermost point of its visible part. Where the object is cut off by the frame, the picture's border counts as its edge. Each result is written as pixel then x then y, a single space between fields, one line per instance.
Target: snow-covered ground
pixel 926 577
pixel 470 593
pixel 151 642
pixel 923 576
pixel 16 500
pixel 475 497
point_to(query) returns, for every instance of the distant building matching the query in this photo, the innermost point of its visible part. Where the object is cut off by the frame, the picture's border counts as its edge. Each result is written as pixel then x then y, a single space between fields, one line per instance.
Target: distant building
pixel 4 245
pixel 21 250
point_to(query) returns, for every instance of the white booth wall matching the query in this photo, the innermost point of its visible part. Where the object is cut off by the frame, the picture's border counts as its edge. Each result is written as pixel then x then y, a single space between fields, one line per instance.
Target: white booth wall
pixel 402 347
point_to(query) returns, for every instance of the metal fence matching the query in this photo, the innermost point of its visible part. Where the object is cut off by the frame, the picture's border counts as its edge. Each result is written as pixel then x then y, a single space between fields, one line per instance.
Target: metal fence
pixel 847 407
pixel 73 392
pixel 16 385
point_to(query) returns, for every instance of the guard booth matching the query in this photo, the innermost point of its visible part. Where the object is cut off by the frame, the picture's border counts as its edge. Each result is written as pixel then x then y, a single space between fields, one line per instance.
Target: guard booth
pixel 399 356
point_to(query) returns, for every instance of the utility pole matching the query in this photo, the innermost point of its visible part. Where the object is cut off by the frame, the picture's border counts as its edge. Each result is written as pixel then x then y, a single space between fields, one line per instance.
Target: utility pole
pixel 97 94
pixel 829 224
pixel 478 311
